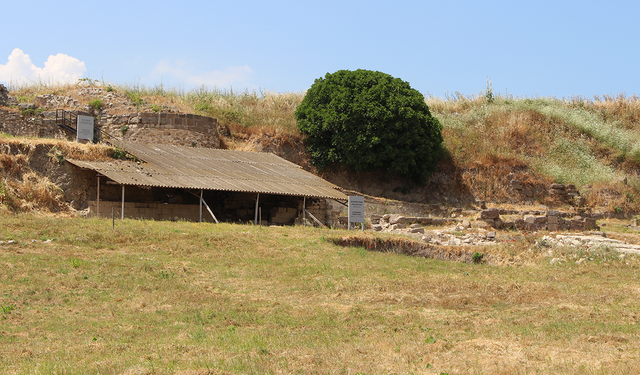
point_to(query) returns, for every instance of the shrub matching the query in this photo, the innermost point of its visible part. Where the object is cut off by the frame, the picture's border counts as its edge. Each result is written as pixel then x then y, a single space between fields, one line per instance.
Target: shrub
pixel 119 153
pixel 370 121
pixel 96 104
pixel 28 112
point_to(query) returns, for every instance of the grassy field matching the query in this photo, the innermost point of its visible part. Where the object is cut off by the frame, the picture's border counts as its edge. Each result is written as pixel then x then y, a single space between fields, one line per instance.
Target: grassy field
pixel 78 297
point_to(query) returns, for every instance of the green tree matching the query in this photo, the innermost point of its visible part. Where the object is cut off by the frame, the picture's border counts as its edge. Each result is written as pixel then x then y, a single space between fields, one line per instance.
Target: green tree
pixel 370 121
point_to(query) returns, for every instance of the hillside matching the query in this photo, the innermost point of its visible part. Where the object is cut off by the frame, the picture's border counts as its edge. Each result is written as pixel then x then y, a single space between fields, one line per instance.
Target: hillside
pixel 501 150
pixel 95 295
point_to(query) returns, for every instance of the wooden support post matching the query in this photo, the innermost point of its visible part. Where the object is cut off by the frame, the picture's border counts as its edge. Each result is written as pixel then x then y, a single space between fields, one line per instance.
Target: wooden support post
pixel 201 205
pixel 98 199
pixel 255 220
pixel 304 211
pixel 122 208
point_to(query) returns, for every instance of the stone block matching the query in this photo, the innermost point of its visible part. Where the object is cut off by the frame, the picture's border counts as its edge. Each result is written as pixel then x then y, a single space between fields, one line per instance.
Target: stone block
pixel 490 213
pixel 531 226
pixel 540 219
pixel 416 230
pixel 425 220
pixel 552 220
pixel 590 223
pixel 466 223
pixel 497 223
pixel 529 219
pixel 508 224
pixel 397 219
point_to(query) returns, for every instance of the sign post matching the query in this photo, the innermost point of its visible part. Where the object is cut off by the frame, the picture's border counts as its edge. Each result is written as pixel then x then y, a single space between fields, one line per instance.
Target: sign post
pixel 356 211
pixel 85 127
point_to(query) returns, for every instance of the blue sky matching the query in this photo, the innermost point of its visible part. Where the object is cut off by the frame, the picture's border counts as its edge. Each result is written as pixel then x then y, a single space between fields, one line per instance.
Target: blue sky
pixel 544 48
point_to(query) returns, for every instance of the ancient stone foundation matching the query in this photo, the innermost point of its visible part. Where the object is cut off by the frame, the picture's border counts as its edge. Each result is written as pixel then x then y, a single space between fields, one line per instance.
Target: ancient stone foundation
pixel 150 211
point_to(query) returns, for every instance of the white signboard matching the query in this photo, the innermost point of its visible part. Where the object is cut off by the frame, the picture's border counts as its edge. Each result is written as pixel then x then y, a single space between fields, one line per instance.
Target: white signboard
pixel 85 127
pixel 356 210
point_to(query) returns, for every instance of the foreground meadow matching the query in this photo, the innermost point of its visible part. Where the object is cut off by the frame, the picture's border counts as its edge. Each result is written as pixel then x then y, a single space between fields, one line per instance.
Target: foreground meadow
pixel 78 297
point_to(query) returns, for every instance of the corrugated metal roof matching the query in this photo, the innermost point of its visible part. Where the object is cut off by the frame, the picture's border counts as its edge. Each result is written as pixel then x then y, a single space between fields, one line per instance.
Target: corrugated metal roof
pixel 213 169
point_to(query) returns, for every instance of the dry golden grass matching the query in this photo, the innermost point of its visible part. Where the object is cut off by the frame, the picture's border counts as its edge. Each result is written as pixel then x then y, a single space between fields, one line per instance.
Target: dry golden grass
pixel 64 148
pixel 187 298
pixel 24 189
pixel 621 108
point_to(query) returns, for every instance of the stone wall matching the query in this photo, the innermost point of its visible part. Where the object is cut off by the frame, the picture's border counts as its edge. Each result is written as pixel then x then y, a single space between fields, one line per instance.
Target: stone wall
pixel 165 128
pixel 16 124
pixel 236 208
pixel 151 211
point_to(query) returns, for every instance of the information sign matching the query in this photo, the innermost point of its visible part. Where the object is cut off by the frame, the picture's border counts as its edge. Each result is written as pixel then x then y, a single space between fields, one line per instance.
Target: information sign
pixel 85 127
pixel 356 210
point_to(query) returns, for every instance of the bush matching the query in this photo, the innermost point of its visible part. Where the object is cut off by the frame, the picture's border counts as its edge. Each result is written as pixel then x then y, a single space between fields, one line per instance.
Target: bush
pixel 96 104
pixel 370 121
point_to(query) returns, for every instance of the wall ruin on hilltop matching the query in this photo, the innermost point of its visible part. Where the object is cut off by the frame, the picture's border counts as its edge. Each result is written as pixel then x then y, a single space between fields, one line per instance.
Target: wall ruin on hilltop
pixel 38 119
pixel 164 128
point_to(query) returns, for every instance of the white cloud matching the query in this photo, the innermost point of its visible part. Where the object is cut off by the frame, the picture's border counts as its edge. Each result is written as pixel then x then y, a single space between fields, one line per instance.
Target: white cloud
pixel 237 75
pixel 58 68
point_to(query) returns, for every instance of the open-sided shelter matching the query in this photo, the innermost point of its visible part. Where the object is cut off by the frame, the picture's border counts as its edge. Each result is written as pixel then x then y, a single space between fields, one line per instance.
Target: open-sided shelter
pixel 221 181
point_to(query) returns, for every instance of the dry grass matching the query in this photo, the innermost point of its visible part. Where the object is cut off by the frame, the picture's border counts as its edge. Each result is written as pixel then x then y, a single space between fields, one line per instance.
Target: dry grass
pixel 184 298
pixel 22 188
pixel 66 149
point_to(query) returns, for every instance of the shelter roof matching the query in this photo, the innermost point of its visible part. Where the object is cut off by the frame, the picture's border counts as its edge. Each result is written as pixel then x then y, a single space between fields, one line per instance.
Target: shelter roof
pixel 171 166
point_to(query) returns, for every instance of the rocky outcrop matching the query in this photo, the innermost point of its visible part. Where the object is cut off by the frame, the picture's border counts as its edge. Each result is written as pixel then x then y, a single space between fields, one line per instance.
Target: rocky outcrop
pixel 6 99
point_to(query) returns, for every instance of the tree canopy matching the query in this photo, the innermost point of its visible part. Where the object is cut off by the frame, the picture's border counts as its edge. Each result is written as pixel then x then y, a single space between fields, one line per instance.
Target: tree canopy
pixel 370 121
